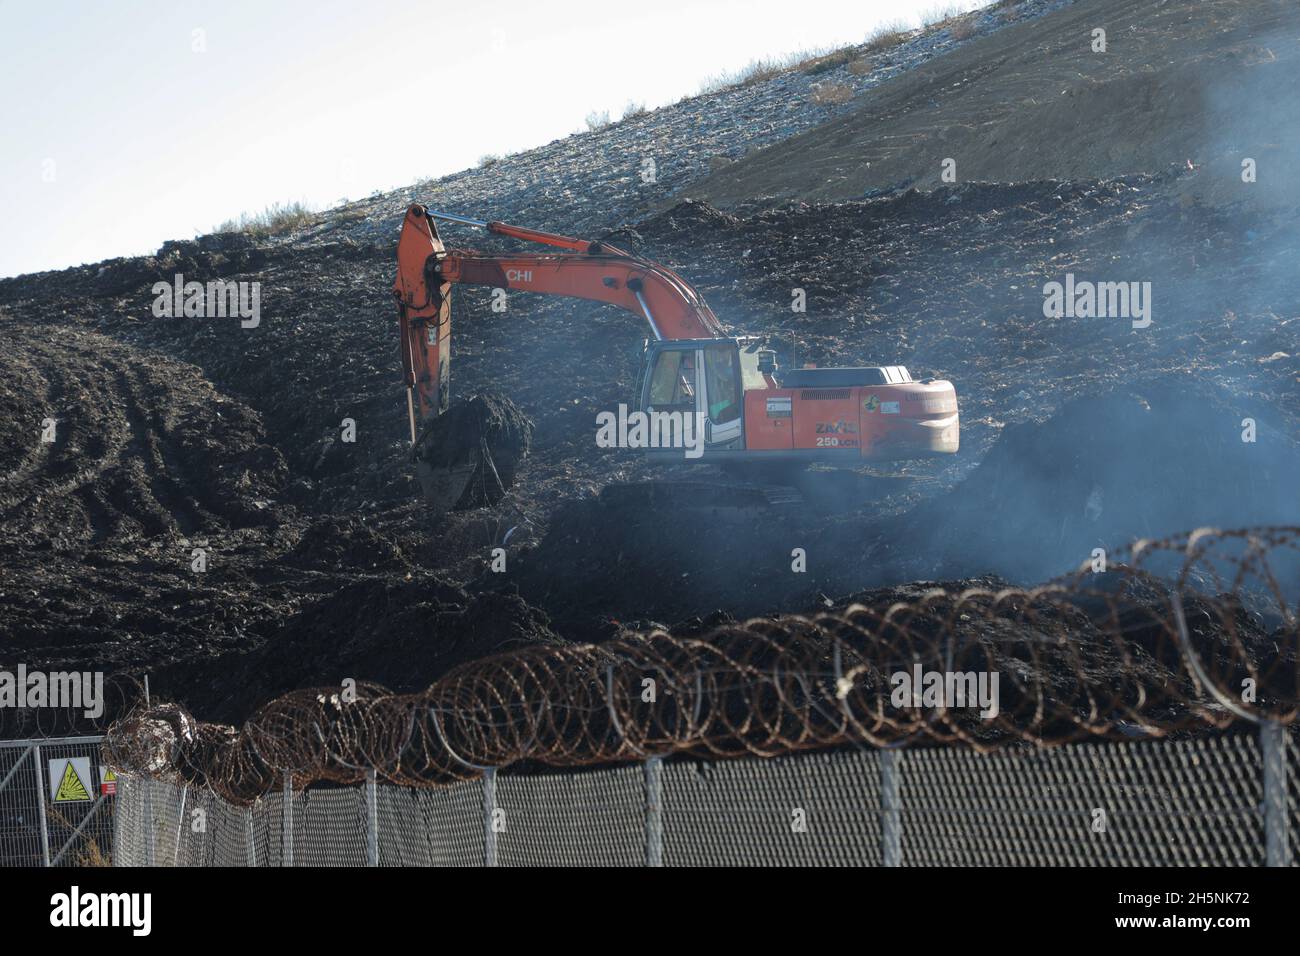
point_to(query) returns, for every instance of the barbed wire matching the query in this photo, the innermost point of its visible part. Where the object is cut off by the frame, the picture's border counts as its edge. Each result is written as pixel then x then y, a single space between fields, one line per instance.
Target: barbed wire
pixel 87 702
pixel 1189 633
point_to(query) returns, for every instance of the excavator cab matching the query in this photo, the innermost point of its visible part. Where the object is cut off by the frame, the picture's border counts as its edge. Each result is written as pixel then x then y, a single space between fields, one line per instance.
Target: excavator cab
pixel 697 376
pixel 730 390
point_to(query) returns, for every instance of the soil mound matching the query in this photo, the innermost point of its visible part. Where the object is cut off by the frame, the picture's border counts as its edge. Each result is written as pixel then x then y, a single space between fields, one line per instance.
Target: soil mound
pixel 104 444
pixel 343 542
pixel 1146 461
pixel 403 634
pixel 657 553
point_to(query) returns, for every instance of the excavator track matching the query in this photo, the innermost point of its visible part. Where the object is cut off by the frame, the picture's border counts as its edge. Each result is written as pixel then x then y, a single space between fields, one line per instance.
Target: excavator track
pixel 721 499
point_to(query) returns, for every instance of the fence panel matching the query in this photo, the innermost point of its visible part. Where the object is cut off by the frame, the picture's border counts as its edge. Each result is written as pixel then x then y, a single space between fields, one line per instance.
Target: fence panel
pixel 128 822
pixel 747 812
pixel 1182 802
pixel 146 823
pixel 1293 792
pixel 590 818
pixel 77 817
pixel 20 820
pixel 1185 802
pixel 215 833
pixel 431 827
pixel 330 827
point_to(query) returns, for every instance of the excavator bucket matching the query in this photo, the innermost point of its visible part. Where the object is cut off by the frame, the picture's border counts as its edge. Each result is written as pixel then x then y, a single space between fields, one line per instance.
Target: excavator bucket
pixel 467 456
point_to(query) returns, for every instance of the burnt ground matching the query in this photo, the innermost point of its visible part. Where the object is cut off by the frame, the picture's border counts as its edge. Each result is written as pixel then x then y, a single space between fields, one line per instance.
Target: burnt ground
pixel 323 563
pixel 183 435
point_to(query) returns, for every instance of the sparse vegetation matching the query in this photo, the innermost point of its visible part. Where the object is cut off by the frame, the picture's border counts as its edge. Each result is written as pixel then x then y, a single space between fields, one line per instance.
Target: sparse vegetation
pixel 962 29
pixel 755 72
pixel 814 62
pixel 804 61
pixel 633 110
pixel 488 159
pixel 886 35
pixel 829 61
pixel 951 17
pixel 940 14
pixel 831 94
pixel 597 119
pixel 274 220
pixel 92 855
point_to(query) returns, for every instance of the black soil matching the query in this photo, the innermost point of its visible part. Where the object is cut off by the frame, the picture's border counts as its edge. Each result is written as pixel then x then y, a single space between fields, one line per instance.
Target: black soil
pixel 180 436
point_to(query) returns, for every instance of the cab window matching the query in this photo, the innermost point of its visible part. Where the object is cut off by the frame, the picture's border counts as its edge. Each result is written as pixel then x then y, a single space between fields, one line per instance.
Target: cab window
pixel 673 381
pixel 722 378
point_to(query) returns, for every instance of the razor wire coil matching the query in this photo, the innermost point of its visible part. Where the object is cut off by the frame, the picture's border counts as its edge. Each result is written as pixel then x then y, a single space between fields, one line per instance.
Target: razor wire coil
pixel 1184 634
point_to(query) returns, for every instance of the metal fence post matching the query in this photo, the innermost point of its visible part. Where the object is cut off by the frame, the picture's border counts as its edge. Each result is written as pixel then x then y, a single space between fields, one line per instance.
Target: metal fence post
pixel 250 850
pixel 41 784
pixel 372 818
pixel 891 806
pixel 287 824
pixel 654 812
pixel 489 807
pixel 180 826
pixel 1277 837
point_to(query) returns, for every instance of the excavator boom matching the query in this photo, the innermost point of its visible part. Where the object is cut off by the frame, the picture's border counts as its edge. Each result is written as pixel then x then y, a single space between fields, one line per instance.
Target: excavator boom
pixel 590 270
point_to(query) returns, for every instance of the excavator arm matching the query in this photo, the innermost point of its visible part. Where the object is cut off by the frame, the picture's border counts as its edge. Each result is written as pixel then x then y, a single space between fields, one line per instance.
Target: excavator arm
pixel 588 270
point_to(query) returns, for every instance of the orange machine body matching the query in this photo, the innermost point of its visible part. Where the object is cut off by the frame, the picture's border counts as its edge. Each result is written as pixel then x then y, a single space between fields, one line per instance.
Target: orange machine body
pixel 830 414
pixel 871 422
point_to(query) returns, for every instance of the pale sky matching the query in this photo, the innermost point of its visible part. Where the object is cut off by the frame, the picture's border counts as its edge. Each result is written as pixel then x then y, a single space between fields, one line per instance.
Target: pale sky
pixel 129 123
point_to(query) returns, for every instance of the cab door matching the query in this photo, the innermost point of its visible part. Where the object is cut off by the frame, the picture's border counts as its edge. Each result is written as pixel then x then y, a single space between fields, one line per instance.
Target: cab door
pixel 701 376
pixel 722 396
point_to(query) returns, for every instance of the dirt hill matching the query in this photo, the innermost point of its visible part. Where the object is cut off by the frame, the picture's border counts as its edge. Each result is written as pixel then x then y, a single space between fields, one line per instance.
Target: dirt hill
pixel 1208 83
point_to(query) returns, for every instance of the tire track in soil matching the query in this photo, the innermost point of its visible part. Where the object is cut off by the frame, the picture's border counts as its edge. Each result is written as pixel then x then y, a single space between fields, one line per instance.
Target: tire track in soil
pixel 94 562
pixel 173 509
pixel 84 447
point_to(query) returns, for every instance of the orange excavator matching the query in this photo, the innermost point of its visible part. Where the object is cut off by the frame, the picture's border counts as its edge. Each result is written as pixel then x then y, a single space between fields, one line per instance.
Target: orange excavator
pixel 747 409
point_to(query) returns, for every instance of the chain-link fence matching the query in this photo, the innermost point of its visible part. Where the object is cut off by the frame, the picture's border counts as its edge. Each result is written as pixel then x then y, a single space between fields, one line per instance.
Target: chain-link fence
pixel 1110 728
pixel 1226 800
pixel 55 803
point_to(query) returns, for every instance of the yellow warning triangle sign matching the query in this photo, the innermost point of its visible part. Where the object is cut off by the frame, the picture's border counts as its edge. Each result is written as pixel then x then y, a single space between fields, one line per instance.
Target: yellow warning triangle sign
pixel 110 777
pixel 71 789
